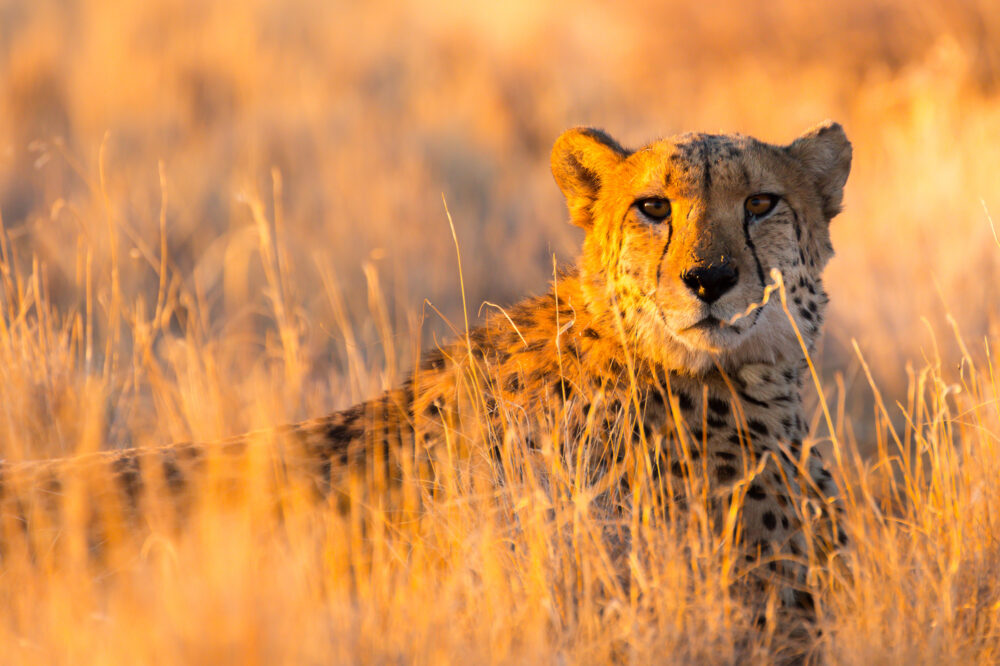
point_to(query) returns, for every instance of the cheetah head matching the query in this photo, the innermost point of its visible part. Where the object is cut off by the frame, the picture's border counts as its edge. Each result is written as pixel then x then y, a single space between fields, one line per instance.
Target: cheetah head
pixel 683 234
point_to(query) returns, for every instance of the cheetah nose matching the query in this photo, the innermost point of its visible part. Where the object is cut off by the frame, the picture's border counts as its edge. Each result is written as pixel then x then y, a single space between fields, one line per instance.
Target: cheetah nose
pixel 710 282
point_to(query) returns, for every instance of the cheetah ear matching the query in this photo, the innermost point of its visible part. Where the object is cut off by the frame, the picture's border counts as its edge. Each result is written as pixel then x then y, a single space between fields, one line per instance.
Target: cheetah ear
pixel 826 154
pixel 581 158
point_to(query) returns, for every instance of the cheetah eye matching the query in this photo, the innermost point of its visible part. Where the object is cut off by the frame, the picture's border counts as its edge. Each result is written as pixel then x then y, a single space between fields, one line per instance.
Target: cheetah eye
pixel 655 208
pixel 759 205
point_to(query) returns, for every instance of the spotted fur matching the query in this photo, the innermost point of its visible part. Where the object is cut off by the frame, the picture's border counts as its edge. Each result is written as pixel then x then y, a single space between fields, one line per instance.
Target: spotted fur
pixel 708 389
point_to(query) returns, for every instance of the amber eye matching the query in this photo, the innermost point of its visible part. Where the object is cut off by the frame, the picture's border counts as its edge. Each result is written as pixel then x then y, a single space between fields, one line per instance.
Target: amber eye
pixel 758 205
pixel 655 208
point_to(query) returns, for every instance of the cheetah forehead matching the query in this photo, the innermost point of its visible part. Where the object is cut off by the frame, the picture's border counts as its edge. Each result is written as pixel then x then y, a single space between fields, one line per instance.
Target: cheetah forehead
pixel 697 164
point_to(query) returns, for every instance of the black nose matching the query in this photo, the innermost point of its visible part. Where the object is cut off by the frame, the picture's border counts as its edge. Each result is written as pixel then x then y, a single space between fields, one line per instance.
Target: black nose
pixel 710 282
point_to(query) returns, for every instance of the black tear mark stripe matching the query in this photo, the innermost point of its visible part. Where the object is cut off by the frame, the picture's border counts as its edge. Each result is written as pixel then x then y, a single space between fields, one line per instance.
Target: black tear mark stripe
pixel 746 218
pixel 663 254
pixel 756 316
pixel 753 249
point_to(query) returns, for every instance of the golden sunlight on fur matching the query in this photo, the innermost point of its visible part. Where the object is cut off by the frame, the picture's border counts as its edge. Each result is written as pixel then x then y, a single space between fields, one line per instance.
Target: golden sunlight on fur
pixel 224 217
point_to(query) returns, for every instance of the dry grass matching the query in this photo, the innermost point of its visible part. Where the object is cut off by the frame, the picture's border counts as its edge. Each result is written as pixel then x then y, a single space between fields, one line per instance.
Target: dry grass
pixel 225 216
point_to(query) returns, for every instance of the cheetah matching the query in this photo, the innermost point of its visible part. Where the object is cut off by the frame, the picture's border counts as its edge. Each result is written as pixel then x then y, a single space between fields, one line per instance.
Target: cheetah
pixel 664 324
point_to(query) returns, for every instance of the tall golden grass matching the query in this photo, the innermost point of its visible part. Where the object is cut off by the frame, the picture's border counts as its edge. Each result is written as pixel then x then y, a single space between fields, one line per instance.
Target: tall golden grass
pixel 225 216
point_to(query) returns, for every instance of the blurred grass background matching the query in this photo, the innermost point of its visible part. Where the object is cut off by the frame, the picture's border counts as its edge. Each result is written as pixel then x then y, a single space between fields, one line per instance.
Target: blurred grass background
pixel 226 215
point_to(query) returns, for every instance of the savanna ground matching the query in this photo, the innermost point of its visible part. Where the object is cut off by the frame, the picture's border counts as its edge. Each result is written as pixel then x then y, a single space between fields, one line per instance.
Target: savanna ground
pixel 225 216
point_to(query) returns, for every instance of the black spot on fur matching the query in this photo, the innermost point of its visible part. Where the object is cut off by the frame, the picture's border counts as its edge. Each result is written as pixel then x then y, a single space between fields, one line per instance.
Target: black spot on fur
pixel 591 333
pixel 537 376
pixel 752 400
pixel 641 429
pixel 536 346
pixel 725 473
pixel 716 422
pixel 804 601
pixel 770 520
pixel 620 454
pixel 432 411
pixel 684 400
pixel 343 427
pixel 496 453
pixel 385 446
pixel 563 388
pixel 172 474
pixel 129 477
pixel 719 406
pixel 756 491
pixel 758 427
pixel 725 455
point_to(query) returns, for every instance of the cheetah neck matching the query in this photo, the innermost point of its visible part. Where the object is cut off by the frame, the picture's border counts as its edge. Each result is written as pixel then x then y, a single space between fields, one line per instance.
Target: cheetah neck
pixel 567 347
